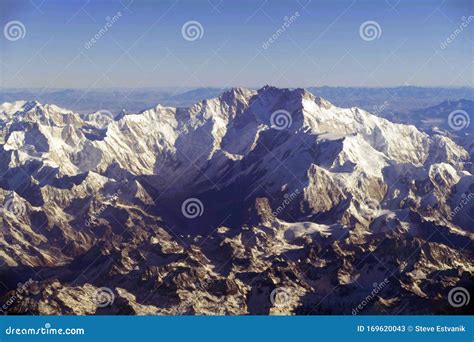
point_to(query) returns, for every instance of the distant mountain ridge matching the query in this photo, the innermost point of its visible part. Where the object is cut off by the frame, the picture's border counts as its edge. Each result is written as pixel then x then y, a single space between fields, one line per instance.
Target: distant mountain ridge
pixel 379 100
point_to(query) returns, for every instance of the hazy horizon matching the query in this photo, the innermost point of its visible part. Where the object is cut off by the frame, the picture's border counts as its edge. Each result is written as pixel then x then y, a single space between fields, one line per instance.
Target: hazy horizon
pixel 129 44
pixel 238 86
pixel 401 99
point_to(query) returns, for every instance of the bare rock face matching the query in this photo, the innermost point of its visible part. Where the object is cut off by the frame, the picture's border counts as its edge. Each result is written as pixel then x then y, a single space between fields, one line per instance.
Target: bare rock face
pixel 256 202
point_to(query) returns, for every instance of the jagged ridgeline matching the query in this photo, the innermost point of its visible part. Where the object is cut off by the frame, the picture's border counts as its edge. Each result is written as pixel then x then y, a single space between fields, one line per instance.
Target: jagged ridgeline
pixel 254 202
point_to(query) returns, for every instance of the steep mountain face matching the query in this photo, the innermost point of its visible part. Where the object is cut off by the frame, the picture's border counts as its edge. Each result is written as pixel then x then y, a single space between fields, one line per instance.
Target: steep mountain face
pixel 449 118
pixel 256 202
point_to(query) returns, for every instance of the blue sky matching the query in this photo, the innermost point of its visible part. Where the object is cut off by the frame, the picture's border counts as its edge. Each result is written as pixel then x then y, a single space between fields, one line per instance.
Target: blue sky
pixel 322 46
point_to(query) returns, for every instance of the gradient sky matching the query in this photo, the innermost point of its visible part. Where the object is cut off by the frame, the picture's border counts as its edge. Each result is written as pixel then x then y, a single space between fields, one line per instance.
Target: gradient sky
pixel 145 47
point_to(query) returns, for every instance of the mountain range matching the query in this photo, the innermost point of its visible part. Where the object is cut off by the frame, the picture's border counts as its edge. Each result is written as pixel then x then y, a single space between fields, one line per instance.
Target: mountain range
pixel 268 201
